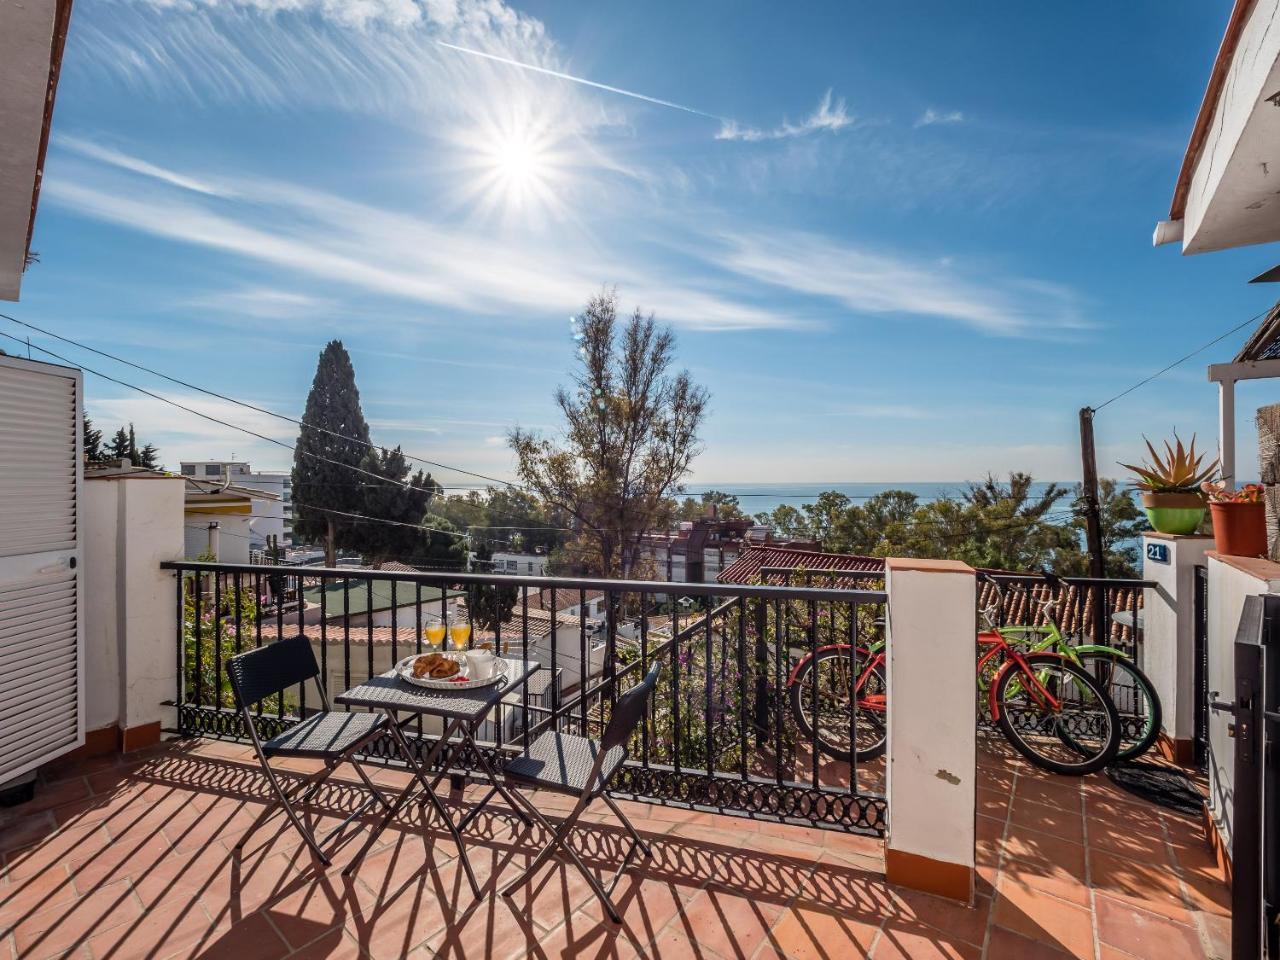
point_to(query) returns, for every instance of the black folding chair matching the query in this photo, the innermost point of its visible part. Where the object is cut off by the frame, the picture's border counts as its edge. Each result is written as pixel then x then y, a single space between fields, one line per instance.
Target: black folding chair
pixel 564 763
pixel 330 736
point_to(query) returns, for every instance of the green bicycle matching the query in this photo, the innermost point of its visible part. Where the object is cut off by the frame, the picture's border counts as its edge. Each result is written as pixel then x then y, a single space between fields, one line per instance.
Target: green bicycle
pixel 1128 687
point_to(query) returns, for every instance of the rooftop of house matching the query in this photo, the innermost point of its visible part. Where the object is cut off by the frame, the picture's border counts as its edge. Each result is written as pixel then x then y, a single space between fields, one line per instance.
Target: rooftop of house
pixel 749 566
pixel 204 494
pixel 362 593
pixel 564 599
pixel 539 623
pixel 115 469
pixel 1264 342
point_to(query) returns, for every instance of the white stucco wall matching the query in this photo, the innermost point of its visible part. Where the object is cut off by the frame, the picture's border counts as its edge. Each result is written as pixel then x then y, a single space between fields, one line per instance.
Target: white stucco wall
pixel 234 533
pixel 101 651
pixel 932 749
pixel 1168 646
pixel 1228 587
pixel 131 525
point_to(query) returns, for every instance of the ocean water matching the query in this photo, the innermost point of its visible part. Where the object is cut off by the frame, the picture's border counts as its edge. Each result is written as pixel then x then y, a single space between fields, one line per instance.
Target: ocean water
pixel 756 498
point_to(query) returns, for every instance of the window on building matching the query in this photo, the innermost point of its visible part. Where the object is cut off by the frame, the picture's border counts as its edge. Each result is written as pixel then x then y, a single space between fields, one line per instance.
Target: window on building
pixel 212 470
pixel 188 469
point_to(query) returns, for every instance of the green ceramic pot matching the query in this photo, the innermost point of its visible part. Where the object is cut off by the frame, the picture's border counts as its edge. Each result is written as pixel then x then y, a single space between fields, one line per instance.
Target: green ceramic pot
pixel 1174 513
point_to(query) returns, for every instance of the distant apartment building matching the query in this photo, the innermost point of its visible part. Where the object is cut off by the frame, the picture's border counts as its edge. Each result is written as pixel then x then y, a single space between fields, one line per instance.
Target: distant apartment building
pixel 269 518
pixel 218 519
pixel 698 550
pixel 521 564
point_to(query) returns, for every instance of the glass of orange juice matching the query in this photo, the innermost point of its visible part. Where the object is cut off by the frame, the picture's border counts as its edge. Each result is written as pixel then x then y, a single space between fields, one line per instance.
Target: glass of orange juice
pixel 433 634
pixel 459 634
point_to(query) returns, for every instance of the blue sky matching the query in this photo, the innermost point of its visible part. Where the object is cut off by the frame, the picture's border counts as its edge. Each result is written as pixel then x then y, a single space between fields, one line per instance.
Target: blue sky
pixel 896 244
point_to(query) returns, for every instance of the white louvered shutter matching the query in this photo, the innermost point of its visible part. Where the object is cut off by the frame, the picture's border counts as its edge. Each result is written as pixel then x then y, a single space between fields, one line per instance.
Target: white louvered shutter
pixel 41 635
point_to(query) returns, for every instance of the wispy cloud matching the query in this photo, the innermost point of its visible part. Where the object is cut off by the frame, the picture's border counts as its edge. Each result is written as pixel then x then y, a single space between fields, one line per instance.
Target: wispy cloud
pixel 367 56
pixel 327 237
pixel 181 436
pixel 405 426
pixel 323 236
pixel 878 282
pixel 829 116
pixel 116 158
pixel 932 117
pixel 262 303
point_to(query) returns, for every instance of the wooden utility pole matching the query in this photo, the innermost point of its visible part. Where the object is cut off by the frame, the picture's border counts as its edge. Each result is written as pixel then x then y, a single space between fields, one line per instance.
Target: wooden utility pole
pixel 1092 511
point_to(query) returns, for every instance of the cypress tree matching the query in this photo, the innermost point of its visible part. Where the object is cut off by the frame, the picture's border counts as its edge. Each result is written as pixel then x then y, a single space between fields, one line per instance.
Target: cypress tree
pixel 322 478
pixel 404 499
pixel 92 442
pixel 118 448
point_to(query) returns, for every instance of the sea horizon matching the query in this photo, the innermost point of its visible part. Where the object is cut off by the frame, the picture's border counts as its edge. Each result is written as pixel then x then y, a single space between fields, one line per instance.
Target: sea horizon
pixel 755 498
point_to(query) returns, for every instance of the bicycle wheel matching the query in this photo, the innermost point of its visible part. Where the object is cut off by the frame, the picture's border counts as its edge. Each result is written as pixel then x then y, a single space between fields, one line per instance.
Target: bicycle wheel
pixel 837 673
pixel 1134 696
pixel 1035 727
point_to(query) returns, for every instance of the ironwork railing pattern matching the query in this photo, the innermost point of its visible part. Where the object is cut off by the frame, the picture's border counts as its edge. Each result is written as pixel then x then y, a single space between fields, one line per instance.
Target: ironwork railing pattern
pixel 719 733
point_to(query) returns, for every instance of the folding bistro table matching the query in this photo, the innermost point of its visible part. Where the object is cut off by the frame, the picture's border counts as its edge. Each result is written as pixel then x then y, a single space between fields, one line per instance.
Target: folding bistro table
pixel 462 710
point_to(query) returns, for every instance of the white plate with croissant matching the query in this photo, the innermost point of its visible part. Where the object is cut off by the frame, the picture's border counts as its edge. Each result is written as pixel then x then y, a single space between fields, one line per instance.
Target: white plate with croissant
pixel 449 671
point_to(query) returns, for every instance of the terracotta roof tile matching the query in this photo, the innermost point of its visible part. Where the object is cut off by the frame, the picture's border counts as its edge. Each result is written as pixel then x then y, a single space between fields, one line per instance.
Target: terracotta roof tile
pixel 746 569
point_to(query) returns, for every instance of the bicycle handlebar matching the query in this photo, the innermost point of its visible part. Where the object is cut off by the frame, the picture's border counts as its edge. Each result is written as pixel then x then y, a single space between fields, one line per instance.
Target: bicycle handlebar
pixel 1048 606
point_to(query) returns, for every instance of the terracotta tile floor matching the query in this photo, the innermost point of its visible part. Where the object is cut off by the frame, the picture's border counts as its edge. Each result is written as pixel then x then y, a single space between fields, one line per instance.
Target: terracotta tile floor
pixel 134 858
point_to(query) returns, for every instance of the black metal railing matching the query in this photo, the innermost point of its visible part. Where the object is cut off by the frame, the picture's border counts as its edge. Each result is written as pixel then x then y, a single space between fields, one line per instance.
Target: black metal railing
pixel 1096 610
pixel 720 733
pixel 1087 610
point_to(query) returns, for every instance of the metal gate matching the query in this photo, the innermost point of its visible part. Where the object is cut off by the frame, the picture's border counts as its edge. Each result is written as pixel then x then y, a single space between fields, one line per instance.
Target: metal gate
pixel 1200 652
pixel 1255 836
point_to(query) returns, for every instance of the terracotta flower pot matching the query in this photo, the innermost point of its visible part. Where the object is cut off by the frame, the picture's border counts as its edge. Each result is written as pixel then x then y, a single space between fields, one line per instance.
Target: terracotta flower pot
pixel 1240 529
pixel 1177 513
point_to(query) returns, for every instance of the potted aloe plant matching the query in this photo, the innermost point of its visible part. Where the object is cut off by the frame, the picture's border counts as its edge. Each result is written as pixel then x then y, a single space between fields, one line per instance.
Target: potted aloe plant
pixel 1170 485
pixel 1239 519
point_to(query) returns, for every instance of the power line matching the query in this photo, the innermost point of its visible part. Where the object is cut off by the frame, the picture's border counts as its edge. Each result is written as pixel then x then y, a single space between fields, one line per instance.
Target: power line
pixel 1162 372
pixel 386 480
pixel 250 406
pixel 299 422
pixel 241 403
pixel 221 532
pixel 369 519
pixel 260 436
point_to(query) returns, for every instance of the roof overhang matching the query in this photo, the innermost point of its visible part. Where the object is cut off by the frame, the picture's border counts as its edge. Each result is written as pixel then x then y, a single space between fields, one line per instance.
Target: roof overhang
pixel 1228 189
pixel 32 36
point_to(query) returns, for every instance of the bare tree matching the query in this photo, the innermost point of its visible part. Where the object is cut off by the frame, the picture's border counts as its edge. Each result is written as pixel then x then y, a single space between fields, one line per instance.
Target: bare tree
pixel 631 433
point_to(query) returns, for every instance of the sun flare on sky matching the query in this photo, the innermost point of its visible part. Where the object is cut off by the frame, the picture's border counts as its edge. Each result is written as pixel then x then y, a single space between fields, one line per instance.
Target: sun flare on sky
pixel 515 167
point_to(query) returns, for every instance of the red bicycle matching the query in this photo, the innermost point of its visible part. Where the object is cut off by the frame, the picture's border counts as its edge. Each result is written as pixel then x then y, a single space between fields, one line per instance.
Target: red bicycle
pixel 1050 710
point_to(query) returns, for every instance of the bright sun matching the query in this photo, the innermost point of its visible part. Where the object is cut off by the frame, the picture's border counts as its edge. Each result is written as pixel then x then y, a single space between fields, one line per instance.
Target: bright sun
pixel 518 160
pixel 516 167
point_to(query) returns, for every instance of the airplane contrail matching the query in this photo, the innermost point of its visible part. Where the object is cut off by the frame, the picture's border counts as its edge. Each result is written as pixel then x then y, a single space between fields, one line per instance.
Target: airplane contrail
pixel 584 81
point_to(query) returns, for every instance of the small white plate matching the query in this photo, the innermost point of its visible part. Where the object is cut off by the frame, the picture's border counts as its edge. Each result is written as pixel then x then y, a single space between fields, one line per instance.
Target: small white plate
pixel 404 670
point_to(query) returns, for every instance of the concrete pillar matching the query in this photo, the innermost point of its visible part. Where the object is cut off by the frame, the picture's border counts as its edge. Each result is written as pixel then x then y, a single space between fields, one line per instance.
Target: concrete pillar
pixel 1168 636
pixel 932 745
pixel 1227 432
pixel 132 524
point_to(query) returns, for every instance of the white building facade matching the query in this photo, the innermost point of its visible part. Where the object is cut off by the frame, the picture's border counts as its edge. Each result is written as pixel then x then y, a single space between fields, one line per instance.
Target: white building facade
pixel 270 518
